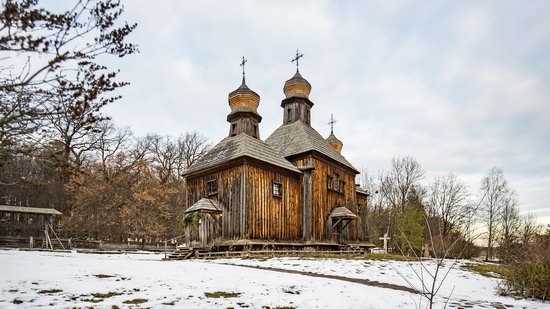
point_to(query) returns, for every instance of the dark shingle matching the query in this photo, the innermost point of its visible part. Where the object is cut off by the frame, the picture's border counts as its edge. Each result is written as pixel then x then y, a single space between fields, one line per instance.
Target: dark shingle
pixel 241 145
pixel 298 137
pixel 205 205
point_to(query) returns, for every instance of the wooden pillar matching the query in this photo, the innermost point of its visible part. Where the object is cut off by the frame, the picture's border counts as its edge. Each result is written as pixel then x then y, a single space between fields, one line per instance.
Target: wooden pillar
pixel 31 242
pixel 307 202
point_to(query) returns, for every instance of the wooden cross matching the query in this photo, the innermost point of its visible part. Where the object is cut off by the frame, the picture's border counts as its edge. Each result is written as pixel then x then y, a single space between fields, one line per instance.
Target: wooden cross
pixel 297 58
pixel 243 62
pixel 385 239
pixel 331 123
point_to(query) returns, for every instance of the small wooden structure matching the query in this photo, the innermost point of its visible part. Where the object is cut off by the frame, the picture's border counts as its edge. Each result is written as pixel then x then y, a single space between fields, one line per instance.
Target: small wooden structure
pixel 340 218
pixel 202 223
pixel 26 215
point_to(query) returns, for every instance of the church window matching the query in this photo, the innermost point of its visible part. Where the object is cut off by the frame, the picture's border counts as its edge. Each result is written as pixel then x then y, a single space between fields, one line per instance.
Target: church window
pixel 233 129
pixel 255 133
pixel 308 116
pixel 277 189
pixel 288 115
pixel 330 181
pixel 212 187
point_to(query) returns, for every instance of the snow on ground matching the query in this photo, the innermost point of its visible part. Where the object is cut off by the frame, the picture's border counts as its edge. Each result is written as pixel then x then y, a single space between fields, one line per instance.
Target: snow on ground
pixel 463 287
pixel 66 280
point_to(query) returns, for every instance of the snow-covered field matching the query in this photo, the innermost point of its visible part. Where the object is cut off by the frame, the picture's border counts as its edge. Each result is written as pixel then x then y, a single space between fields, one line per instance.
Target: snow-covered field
pixel 67 280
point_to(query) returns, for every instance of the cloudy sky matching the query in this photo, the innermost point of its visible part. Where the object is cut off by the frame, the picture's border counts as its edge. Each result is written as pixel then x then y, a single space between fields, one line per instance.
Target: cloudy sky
pixel 462 86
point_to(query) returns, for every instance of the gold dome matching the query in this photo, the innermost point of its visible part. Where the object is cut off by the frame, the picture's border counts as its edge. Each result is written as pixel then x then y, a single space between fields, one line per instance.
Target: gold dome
pixel 297 86
pixel 335 143
pixel 243 98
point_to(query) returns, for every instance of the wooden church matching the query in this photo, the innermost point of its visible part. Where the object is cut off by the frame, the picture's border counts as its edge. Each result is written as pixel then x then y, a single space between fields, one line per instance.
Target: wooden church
pixel 294 186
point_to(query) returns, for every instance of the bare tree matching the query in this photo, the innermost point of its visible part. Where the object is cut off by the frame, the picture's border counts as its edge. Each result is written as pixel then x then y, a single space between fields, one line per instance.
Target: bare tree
pixel 43 52
pixel 448 201
pixel 494 188
pixel 529 229
pixel 398 183
pixel 192 147
pixel 510 227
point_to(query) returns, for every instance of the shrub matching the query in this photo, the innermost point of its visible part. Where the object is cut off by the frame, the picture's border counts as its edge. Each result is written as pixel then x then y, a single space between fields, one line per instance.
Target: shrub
pixel 530 279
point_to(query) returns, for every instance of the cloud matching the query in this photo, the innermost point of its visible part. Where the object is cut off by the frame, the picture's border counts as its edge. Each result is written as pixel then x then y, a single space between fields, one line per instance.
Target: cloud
pixel 461 86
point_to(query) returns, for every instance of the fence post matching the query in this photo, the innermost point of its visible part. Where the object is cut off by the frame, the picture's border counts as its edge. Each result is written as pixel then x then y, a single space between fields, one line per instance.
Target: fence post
pixel 165 250
pixel 70 243
pixel 99 245
pixel 31 242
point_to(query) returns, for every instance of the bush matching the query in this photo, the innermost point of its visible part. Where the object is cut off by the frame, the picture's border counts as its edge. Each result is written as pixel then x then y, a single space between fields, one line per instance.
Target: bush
pixel 529 279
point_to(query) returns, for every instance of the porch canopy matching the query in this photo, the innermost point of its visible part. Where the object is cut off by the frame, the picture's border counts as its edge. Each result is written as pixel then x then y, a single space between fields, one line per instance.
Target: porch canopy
pixel 206 205
pixel 341 217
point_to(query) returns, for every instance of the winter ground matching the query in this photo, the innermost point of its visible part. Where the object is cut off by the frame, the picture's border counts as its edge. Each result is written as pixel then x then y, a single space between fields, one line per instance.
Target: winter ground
pixel 37 279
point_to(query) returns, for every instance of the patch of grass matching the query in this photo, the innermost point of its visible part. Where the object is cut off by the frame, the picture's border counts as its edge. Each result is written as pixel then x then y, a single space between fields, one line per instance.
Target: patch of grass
pixel 136 301
pixel 13 291
pixel 92 300
pixel 16 301
pixel 221 294
pixel 106 295
pixel 486 269
pixel 50 291
pixel 172 303
pixel 103 276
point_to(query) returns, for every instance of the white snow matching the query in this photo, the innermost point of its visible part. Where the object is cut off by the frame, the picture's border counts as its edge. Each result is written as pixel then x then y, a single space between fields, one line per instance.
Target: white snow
pixel 184 283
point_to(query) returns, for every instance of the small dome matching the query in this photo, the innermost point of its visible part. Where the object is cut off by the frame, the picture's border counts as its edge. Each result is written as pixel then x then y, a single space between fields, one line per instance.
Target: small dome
pixel 335 143
pixel 243 98
pixel 297 86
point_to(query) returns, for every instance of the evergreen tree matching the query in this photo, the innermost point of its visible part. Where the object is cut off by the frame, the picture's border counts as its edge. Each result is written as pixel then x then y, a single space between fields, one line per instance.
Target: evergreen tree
pixel 410 225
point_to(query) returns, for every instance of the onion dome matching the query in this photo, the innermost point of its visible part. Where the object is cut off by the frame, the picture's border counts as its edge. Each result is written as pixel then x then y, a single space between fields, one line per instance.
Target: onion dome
pixel 335 143
pixel 297 86
pixel 243 99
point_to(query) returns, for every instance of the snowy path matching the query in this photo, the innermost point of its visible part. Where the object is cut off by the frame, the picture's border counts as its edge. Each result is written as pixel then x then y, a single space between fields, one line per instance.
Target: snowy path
pixel 327 276
pixel 66 280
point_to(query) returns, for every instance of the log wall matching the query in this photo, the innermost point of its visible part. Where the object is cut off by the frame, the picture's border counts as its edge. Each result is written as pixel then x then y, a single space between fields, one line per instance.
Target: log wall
pixel 324 200
pixel 229 194
pixel 250 210
pixel 271 217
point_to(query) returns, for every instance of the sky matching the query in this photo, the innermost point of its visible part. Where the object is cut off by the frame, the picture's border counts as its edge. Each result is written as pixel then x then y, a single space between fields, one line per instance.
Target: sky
pixel 461 86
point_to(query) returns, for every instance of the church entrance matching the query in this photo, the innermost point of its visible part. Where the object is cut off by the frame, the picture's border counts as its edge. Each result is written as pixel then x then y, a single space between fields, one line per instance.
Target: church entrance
pixel 202 223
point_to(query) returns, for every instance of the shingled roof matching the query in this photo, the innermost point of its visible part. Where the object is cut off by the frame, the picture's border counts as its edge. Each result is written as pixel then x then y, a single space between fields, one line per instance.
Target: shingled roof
pixel 241 145
pixel 205 205
pixel 298 137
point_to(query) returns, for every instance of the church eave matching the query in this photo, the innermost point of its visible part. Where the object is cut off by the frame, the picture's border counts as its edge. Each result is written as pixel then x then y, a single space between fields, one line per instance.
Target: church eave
pixel 243 114
pixel 293 99
pixel 241 160
pixel 324 157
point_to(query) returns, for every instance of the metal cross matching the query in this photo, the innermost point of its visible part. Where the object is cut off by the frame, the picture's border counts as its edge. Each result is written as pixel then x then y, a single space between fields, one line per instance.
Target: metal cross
pixel 243 62
pixel 331 123
pixel 297 58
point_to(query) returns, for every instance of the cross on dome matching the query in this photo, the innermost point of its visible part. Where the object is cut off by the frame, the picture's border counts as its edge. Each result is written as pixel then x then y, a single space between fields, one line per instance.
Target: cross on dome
pixel 243 62
pixel 331 123
pixel 297 58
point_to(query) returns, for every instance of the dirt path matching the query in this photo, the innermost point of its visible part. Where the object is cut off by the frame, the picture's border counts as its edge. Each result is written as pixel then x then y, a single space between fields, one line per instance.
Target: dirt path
pixel 341 278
